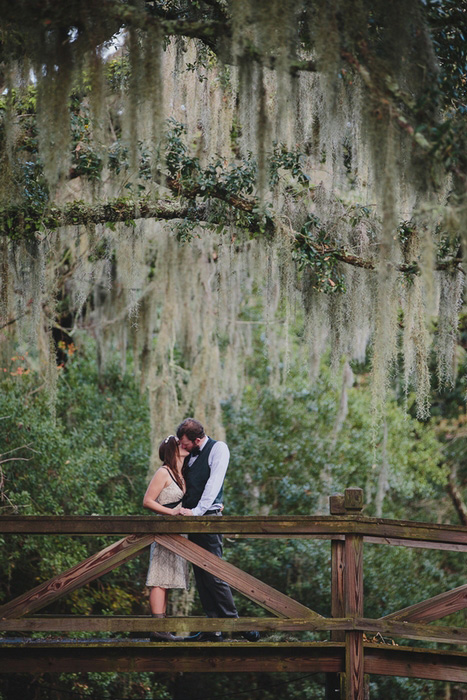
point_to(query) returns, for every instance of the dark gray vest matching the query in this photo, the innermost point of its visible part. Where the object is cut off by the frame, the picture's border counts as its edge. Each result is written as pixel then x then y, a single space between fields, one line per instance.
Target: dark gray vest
pixel 197 475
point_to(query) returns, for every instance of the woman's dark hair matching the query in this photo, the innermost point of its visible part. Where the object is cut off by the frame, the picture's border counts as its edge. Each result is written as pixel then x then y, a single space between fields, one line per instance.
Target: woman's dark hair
pixel 191 428
pixel 168 454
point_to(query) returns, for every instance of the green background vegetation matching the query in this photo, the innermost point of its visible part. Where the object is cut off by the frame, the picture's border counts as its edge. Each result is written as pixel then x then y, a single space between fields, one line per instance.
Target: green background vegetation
pixel 93 458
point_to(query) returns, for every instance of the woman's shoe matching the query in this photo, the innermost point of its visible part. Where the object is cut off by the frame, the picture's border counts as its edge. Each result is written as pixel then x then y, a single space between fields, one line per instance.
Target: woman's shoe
pixel 164 637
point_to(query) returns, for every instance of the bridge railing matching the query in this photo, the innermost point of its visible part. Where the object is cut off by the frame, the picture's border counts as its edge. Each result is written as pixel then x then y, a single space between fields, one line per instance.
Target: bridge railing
pixel 347 657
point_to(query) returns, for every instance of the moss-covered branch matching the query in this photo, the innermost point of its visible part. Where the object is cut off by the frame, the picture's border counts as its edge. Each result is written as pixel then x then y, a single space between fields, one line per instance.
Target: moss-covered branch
pixel 19 223
pixel 218 192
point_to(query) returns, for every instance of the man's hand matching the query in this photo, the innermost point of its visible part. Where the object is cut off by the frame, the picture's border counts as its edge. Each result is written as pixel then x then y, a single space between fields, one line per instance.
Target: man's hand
pixel 186 511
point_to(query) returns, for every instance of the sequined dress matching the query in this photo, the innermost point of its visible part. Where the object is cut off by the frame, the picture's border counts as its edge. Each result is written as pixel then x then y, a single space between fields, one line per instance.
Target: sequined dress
pixel 167 569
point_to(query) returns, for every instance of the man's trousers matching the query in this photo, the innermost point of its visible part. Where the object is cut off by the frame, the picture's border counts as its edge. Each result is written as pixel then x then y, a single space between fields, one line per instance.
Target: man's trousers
pixel 215 595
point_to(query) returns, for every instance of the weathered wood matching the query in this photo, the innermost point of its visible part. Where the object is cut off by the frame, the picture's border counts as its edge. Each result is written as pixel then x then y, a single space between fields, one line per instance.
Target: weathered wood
pixel 347 597
pixel 84 572
pixel 353 601
pixel 433 608
pixel 336 504
pixel 144 623
pixel 124 656
pixel 334 680
pixel 353 499
pixel 354 666
pixel 266 596
pixel 127 656
pixel 432 664
pixel 292 526
pixel 353 576
pixel 407 630
pixel 420 544
pixel 337 585
pixel 393 541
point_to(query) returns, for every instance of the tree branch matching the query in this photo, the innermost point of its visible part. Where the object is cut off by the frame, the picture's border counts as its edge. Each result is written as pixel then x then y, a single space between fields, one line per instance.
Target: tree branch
pixel 367 263
pixel 218 192
pixel 14 220
pixel 120 210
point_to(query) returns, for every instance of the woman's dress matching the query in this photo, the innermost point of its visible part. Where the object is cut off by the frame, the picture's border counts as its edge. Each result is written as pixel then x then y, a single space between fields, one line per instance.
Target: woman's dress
pixel 167 569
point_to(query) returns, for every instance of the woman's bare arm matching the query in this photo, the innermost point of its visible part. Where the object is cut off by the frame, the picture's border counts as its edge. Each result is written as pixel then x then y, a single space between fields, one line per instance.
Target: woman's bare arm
pixel 159 481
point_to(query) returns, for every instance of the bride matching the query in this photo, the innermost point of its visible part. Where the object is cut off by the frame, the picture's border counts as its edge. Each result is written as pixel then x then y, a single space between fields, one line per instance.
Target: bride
pixel 164 495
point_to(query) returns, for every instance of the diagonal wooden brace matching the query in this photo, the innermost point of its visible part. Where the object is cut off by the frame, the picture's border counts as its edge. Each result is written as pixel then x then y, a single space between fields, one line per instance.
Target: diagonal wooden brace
pixel 433 608
pixel 122 551
pixel 84 572
pixel 276 602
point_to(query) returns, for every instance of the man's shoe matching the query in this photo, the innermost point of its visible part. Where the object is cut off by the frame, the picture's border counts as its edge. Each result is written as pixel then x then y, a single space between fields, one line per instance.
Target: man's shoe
pixel 205 637
pixel 251 636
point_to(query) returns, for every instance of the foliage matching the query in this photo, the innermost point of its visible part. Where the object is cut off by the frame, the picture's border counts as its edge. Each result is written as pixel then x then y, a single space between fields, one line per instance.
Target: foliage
pixel 287 458
pixel 88 461
pixel 286 443
pixel 85 160
pixel 94 459
pixel 312 250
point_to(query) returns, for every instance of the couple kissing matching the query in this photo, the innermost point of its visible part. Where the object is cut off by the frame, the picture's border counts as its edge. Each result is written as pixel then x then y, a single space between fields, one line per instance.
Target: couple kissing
pixel 189 482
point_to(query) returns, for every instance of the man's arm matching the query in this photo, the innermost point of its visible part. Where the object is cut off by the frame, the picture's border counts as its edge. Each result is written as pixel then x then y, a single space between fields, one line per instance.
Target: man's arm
pixel 218 463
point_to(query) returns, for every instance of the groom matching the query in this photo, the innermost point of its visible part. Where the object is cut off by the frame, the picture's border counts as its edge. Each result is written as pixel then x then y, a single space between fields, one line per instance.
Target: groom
pixel 204 471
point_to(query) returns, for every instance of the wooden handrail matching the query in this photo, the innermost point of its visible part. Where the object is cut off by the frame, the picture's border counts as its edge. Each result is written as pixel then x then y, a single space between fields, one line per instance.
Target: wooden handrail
pixel 285 526
pixel 139 623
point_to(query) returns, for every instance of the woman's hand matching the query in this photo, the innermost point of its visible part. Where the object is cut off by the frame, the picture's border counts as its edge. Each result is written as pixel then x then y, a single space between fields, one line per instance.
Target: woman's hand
pixel 185 511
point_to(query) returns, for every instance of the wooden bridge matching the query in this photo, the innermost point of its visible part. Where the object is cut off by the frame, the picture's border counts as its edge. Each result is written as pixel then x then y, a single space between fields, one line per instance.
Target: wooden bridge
pixel 347 658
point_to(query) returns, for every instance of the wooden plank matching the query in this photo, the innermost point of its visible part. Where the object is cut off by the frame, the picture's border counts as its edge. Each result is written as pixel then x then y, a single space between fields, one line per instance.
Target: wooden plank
pixel 433 608
pixel 407 630
pixel 80 574
pixel 143 623
pixel 123 656
pixel 266 596
pixel 354 666
pixel 353 576
pixel 334 681
pixel 337 586
pixel 292 526
pixel 353 600
pixel 420 544
pixel 127 656
pixel 393 541
pixel 432 664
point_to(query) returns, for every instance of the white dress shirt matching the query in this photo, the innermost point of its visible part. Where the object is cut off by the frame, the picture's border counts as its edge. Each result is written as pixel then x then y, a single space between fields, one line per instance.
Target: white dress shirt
pixel 218 462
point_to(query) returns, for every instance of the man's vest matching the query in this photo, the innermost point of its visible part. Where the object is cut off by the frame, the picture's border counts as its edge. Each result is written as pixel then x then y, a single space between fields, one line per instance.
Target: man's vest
pixel 197 475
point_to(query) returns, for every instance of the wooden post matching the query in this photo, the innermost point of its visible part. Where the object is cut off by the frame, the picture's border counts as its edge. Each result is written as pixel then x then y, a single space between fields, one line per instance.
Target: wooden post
pixel 353 601
pixel 334 680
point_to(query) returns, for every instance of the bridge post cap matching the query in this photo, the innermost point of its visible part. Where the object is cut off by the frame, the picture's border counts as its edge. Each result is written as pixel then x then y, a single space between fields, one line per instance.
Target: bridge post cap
pixel 336 504
pixel 353 499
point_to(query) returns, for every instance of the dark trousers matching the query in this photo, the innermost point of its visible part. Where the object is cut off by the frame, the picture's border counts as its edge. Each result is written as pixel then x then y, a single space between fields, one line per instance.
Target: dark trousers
pixel 215 595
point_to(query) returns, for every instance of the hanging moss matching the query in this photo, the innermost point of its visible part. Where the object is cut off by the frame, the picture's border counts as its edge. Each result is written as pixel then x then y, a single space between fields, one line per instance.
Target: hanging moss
pixel 450 300
pixel 321 135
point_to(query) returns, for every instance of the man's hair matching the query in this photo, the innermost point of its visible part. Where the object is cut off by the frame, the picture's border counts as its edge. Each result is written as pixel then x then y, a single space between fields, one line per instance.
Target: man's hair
pixel 191 428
